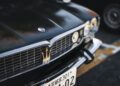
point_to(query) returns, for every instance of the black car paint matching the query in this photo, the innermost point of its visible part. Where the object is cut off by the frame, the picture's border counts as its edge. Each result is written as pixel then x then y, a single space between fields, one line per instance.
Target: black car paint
pixel 21 29
pixel 97 5
pixel 46 73
pixel 54 17
pixel 105 8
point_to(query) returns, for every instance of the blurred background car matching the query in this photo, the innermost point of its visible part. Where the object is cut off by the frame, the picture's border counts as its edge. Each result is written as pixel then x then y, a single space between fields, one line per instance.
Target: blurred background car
pixel 109 11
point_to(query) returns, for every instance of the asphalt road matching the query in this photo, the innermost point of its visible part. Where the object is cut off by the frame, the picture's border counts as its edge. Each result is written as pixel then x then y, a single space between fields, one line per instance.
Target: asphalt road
pixel 106 73
pixel 107 36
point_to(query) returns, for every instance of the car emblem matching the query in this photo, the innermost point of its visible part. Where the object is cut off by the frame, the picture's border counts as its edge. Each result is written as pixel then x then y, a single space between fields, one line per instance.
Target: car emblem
pixel 63 1
pixel 40 29
pixel 46 55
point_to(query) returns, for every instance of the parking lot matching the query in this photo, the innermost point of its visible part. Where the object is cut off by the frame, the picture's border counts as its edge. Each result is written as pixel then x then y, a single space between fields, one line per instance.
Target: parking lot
pixel 105 69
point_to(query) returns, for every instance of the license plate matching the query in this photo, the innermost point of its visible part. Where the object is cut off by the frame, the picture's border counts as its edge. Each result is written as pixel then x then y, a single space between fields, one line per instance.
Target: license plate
pixel 66 79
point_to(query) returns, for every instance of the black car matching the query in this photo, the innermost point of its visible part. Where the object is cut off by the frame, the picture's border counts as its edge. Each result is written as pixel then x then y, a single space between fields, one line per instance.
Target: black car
pixel 109 11
pixel 44 42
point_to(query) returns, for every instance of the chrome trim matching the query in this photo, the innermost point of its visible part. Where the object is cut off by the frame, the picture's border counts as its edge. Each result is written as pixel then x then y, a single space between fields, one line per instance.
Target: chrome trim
pixel 74 46
pixel 55 23
pixel 52 41
pixel 39 65
pixel 46 42
pixel 94 46
pixel 63 1
pixel 23 48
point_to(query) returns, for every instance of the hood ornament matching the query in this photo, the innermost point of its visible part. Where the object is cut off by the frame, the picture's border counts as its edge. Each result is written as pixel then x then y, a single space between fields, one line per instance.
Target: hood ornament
pixel 64 1
pixel 41 29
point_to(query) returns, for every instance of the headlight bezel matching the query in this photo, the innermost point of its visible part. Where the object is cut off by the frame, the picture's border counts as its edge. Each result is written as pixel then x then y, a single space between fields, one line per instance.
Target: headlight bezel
pixel 94 22
pixel 91 26
pixel 75 37
pixel 87 28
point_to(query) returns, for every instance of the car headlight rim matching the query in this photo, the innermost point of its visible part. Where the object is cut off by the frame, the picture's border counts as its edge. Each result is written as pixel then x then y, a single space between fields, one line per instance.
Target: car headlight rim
pixel 87 28
pixel 94 22
pixel 75 37
pixel 91 26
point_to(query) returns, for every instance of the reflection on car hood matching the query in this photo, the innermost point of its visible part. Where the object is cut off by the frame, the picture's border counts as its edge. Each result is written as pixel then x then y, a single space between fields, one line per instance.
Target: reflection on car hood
pixel 21 28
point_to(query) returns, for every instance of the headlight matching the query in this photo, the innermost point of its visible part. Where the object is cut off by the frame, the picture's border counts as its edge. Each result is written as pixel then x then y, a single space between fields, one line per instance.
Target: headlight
pixel 91 26
pixel 81 32
pixel 75 37
pixel 94 22
pixel 87 28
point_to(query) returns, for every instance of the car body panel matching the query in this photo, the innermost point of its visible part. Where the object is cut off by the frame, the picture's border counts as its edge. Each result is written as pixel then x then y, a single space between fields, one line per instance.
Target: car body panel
pixel 55 20
pixel 30 35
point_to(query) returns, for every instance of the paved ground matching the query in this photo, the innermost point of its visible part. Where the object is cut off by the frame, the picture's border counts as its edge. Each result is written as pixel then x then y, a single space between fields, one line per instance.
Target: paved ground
pixel 105 74
pixel 105 69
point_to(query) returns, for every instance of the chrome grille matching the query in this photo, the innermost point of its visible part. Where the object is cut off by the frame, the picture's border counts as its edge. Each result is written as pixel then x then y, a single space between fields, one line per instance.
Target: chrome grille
pixel 29 59
pixel 61 46
pixel 20 62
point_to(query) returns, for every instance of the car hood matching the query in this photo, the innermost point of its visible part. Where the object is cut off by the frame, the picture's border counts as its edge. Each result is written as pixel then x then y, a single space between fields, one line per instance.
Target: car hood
pixel 31 25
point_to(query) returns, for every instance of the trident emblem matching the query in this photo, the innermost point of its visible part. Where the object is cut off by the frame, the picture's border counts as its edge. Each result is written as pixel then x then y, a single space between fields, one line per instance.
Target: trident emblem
pixel 46 56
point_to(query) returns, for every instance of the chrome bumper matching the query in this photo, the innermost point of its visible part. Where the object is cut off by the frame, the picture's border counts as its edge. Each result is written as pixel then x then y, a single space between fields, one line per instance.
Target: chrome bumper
pixel 94 46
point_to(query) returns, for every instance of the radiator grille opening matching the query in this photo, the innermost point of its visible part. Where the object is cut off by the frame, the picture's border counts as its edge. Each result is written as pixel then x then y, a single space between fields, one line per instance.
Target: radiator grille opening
pixel 23 61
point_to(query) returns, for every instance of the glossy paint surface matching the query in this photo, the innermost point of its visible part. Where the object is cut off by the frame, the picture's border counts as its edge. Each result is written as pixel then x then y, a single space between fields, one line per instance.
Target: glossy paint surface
pixel 20 28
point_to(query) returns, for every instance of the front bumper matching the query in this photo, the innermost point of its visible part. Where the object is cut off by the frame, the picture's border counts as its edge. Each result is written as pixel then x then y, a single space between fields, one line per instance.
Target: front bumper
pixel 96 43
pixel 53 70
pixel 94 46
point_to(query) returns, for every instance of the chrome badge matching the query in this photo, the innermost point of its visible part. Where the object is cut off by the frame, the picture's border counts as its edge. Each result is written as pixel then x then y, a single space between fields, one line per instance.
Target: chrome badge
pixel 40 29
pixel 46 55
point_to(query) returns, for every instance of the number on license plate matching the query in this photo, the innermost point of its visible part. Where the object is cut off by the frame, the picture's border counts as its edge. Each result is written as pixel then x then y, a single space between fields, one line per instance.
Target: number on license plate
pixel 66 79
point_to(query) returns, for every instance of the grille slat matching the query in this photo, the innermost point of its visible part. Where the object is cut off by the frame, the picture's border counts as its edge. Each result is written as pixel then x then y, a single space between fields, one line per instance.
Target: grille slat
pixel 28 59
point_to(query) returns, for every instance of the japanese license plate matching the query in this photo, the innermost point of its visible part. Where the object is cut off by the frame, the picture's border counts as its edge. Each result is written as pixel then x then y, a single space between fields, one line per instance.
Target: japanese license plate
pixel 66 79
